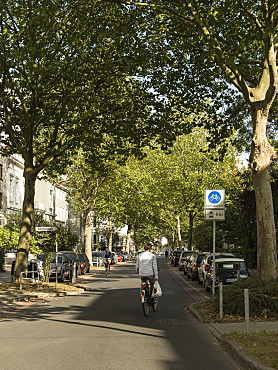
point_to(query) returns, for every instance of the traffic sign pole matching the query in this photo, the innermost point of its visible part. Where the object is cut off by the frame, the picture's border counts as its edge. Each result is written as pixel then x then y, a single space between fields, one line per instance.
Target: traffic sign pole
pixel 214 210
pixel 52 228
pixel 213 258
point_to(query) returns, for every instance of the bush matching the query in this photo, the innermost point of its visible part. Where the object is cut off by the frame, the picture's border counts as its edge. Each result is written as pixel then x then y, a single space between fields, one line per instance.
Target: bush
pixel 263 297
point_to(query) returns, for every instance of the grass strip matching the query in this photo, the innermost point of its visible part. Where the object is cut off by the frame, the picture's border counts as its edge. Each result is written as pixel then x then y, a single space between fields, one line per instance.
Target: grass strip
pixel 262 345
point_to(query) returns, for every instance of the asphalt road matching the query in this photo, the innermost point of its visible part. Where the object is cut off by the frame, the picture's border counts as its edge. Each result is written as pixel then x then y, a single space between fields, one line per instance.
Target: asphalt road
pixel 105 328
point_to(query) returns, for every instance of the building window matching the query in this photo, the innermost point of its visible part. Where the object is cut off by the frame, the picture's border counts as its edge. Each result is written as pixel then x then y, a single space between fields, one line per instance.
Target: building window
pixel 1 201
pixel 17 192
pixel 1 172
pixel 11 190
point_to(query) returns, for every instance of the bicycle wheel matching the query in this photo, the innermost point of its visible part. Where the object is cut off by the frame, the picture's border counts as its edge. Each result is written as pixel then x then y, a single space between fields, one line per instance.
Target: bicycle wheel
pixel 146 308
pixel 154 304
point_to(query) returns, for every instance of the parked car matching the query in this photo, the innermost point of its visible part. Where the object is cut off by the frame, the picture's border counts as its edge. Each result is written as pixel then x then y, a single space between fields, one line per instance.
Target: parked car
pixel 183 255
pixel 193 264
pixel 114 258
pixel 84 263
pixel 97 258
pixel 175 257
pixel 73 257
pixel 187 261
pixel 207 262
pixel 63 266
pixel 227 271
pixel 120 256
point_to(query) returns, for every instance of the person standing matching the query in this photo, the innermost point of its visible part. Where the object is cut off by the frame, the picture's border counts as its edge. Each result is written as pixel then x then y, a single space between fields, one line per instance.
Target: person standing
pixel 146 265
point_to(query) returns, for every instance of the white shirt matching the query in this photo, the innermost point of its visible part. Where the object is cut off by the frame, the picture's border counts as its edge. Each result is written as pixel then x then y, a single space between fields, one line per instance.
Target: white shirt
pixel 146 264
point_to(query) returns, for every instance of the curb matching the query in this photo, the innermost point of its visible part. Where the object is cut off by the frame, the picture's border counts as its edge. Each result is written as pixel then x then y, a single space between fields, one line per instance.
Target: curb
pixel 234 347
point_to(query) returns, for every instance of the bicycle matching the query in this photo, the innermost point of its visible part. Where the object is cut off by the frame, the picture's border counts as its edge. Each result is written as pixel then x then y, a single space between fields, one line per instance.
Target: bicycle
pixel 146 299
pixel 107 266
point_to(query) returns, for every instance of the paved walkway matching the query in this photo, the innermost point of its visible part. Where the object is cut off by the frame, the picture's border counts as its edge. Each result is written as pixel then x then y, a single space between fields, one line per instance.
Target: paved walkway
pixel 241 327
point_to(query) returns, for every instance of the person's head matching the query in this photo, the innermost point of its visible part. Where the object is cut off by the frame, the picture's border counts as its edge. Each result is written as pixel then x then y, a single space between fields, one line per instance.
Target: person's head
pixel 148 247
pixel 107 249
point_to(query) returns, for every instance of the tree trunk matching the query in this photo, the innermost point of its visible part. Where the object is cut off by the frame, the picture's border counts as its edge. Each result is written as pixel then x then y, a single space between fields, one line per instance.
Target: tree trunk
pixel 260 160
pixel 110 234
pixel 26 223
pixel 129 228
pixel 190 231
pixel 179 230
pixel 87 235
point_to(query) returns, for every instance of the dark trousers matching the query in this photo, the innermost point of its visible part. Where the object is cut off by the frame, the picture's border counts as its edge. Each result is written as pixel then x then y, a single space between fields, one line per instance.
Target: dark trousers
pixel 151 280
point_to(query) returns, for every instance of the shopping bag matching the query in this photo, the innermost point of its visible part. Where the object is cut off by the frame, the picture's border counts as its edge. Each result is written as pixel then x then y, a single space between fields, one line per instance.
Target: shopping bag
pixel 157 292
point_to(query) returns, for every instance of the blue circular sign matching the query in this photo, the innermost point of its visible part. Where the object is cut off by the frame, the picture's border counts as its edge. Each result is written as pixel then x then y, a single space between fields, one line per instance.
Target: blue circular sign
pixel 214 197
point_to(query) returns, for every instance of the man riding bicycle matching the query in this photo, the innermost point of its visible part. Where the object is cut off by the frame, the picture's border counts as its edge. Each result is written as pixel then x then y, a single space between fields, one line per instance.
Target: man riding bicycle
pixel 146 266
pixel 107 257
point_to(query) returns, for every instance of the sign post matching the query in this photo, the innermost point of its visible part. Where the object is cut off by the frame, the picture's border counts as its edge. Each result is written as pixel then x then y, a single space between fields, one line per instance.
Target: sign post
pixel 214 211
pixel 52 228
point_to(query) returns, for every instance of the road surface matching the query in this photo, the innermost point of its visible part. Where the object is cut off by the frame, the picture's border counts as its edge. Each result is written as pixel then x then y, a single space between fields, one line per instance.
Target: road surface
pixel 105 328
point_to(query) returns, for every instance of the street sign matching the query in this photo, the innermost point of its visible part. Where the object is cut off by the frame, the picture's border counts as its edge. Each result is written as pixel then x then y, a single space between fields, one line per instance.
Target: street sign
pixel 215 199
pixel 215 214
pixel 47 228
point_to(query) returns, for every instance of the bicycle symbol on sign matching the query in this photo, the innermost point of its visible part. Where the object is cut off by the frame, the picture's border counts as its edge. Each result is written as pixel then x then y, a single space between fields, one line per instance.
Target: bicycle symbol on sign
pixel 214 197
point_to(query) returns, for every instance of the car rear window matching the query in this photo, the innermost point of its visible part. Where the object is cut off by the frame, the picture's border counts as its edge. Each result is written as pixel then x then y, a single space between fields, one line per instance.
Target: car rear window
pixel 185 254
pixel 231 266
pixel 200 258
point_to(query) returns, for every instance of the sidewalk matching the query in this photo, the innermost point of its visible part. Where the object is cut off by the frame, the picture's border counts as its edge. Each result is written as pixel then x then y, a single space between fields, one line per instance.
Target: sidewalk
pixel 10 300
pixel 218 329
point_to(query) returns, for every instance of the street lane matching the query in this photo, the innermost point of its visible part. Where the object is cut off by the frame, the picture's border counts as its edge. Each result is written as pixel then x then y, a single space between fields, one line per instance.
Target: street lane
pixel 105 328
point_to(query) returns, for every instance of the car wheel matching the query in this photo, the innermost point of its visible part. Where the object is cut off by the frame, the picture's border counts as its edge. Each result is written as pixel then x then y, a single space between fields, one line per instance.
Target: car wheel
pixel 206 286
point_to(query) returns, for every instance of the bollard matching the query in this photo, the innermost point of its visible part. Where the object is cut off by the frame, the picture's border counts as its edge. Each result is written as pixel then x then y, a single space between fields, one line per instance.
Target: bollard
pixel 221 299
pixel 246 302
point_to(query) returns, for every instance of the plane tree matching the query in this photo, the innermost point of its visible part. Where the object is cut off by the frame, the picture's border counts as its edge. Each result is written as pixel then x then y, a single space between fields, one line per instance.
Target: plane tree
pixel 63 72
pixel 223 53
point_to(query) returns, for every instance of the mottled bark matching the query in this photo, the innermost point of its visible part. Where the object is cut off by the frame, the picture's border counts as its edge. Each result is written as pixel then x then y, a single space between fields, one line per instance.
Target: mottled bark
pixel 179 230
pixel 87 235
pixel 110 234
pixel 26 223
pixel 260 159
pixel 129 228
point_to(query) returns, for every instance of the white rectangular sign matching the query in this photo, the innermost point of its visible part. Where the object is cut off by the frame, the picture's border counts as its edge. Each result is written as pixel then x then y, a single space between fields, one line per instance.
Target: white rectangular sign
pixel 215 199
pixel 215 214
pixel 46 228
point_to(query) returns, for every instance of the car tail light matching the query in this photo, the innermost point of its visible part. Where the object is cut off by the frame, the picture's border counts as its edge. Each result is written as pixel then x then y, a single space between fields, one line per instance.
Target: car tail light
pixel 195 266
pixel 206 267
pixel 216 280
pixel 181 261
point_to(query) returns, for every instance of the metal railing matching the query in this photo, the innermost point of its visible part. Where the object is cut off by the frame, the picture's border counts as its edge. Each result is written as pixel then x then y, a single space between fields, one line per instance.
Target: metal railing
pixel 28 278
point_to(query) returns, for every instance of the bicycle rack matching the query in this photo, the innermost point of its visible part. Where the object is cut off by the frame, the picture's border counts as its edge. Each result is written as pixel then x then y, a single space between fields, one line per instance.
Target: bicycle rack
pixel 26 278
